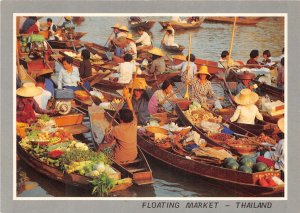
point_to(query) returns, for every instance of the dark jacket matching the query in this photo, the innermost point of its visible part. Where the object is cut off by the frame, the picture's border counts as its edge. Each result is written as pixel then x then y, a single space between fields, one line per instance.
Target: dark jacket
pixel 85 69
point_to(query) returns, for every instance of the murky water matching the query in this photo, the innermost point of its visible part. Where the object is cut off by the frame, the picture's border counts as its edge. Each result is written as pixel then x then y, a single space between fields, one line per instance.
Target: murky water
pixel 208 42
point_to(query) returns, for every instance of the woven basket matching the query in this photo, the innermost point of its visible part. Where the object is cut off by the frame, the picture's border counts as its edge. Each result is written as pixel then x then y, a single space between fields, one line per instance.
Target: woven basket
pixel 244 149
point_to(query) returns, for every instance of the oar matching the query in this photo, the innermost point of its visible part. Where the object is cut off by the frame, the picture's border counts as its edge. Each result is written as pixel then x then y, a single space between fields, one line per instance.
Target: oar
pixel 232 36
pixel 108 39
pixel 59 21
pixel 95 99
pixel 222 75
pixel 186 96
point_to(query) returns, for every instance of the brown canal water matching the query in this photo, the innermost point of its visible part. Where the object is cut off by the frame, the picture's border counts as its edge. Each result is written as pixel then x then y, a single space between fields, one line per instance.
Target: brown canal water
pixel 207 43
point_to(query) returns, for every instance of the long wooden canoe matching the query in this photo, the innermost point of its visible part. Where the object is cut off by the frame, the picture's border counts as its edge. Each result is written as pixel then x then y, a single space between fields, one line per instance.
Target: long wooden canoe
pixel 147 25
pixel 109 85
pixel 139 169
pixel 97 49
pixel 184 105
pixel 65 44
pixel 75 35
pixel 182 26
pixel 173 49
pixel 237 180
pixel 58 175
pixel 239 20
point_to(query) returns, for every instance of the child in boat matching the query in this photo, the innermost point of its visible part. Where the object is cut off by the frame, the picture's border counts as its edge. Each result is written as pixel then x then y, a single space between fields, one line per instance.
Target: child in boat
pixel 160 98
pixel 169 37
pixel 122 139
pixel 246 111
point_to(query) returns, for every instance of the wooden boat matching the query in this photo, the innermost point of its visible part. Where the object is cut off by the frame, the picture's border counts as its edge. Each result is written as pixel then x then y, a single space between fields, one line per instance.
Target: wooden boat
pixel 58 175
pixel 183 105
pixel 153 81
pixel 139 169
pixel 273 92
pixel 75 35
pixel 239 20
pixel 97 49
pixel 147 25
pixel 212 65
pixel 173 49
pixel 182 26
pixel 75 44
pixel 237 180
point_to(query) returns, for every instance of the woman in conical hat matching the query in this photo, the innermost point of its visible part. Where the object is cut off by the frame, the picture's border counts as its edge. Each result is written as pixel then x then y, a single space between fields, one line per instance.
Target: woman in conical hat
pixel 201 89
pixel 27 106
pixel 158 65
pixel 131 46
pixel 247 111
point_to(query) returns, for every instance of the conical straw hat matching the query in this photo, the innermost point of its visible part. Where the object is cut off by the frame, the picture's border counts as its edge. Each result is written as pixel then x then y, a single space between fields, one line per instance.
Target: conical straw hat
pixel 29 90
pixel 68 18
pixel 129 36
pixel 156 51
pixel 246 97
pixel 280 124
pixel 203 70
pixel 124 28
pixel 116 26
pixel 139 83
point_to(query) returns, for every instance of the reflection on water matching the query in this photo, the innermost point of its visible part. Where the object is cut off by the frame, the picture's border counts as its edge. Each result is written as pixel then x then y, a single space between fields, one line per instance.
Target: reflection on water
pixel 208 42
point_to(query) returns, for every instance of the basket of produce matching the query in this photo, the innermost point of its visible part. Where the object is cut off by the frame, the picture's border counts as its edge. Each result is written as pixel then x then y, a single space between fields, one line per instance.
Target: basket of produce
pixel 81 95
pixel 244 148
pixel 220 137
pixel 45 141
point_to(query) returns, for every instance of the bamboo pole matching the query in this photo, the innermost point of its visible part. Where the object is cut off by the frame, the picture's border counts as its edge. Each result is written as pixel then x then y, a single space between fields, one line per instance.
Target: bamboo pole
pixel 232 36
pixel 186 96
pixel 59 20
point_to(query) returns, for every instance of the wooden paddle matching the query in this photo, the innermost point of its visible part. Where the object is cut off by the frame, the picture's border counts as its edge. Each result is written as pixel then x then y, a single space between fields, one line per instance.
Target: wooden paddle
pixel 59 21
pixel 108 39
pixel 94 98
pixel 232 36
pixel 186 96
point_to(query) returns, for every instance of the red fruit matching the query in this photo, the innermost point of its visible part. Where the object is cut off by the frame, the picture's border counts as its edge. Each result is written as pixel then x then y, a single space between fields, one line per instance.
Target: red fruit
pixel 271 182
pixel 263 182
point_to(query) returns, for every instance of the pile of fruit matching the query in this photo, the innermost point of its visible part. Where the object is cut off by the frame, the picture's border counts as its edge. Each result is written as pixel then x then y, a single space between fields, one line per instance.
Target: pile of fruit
pixel 196 115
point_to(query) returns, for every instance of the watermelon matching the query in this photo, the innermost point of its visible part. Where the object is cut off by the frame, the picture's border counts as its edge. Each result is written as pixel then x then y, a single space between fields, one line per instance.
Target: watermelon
pixel 260 167
pixel 227 160
pixel 245 169
pixel 247 162
pixel 232 165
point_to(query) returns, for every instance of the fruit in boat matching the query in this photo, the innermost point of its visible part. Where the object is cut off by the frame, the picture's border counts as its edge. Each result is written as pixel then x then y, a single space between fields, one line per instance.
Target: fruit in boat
pixel 247 162
pixel 227 160
pixel 260 167
pixel 245 169
pixel 232 165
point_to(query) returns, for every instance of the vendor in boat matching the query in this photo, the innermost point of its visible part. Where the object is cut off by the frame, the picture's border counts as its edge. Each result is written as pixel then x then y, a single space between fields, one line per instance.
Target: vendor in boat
pixel 49 84
pixel 85 67
pixel 246 111
pixel 131 46
pixel 144 40
pixel 123 32
pixel 245 79
pixel 121 41
pixel 254 54
pixel 159 102
pixel 280 77
pixel 140 100
pixel 183 67
pixel 51 29
pixel 201 89
pixel 169 37
pixel 273 156
pixel 68 76
pixel 227 62
pixel 124 146
pixel 127 69
pixel 158 65
pixel 45 96
pixel 114 34
pixel 30 26
pixel 27 106
pixel 68 24
pixel 266 57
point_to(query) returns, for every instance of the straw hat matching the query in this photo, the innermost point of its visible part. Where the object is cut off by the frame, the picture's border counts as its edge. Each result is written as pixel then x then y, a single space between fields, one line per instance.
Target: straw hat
pixel 129 36
pixel 169 28
pixel 68 18
pixel 280 124
pixel 179 57
pixel 29 90
pixel 246 75
pixel 139 83
pixel 43 72
pixel 203 70
pixel 117 26
pixel 124 28
pixel 246 97
pixel 156 51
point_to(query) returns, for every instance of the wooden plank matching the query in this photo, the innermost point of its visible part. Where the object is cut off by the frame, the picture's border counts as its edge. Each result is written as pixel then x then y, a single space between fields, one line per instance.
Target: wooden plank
pixel 77 129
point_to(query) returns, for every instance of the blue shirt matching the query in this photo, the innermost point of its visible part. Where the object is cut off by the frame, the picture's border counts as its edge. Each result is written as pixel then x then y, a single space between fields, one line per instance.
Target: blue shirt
pixel 49 86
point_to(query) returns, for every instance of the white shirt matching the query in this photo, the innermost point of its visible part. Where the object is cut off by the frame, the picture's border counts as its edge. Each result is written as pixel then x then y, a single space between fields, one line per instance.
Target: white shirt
pixel 246 114
pixel 43 98
pixel 183 68
pixel 68 79
pixel 278 155
pixel 131 48
pixel 126 69
pixel 145 39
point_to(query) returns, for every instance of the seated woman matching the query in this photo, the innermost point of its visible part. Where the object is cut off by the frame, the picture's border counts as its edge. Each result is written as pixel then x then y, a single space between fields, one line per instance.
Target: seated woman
pixel 159 99
pixel 124 146
pixel 267 57
pixel 169 37
pixel 245 82
pixel 85 67
pixel 227 62
pixel 246 111
pixel 131 46
pixel 158 65
pixel 254 54
pixel 27 106
pixel 126 69
pixel 144 40
pixel 201 89
pixel 69 76
pixel 183 68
